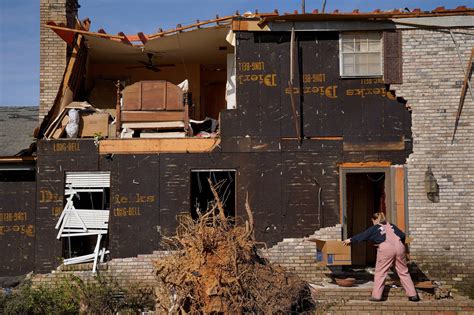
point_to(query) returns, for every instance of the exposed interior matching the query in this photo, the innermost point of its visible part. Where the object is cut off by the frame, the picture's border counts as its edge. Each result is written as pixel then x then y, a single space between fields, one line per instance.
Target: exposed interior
pixel 199 56
pixel 365 194
pixel 202 197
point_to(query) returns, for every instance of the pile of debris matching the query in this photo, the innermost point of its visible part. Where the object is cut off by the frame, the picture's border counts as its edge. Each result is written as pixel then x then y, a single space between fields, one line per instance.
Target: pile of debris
pixel 218 269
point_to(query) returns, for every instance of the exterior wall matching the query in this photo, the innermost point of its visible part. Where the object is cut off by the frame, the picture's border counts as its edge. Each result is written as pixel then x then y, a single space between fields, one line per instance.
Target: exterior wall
pixel 432 79
pixel 293 190
pixel 17 227
pixel 54 158
pixel 53 50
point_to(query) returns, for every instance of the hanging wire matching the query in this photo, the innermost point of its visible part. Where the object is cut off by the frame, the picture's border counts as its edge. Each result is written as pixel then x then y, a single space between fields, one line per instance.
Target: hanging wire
pixel 375 180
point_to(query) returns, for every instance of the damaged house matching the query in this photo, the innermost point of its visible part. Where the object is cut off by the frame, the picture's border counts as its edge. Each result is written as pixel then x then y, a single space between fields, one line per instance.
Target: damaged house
pixel 322 118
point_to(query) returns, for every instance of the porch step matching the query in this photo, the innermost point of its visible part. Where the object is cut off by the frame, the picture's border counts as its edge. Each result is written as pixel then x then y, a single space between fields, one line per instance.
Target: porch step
pixel 439 307
pixel 354 300
pixel 355 293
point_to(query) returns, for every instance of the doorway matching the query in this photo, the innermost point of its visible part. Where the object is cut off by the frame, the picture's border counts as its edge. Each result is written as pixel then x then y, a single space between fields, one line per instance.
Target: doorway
pixel 364 195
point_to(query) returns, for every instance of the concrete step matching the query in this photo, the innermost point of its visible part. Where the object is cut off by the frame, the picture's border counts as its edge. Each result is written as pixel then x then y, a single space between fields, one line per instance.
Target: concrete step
pixel 362 293
pixel 444 306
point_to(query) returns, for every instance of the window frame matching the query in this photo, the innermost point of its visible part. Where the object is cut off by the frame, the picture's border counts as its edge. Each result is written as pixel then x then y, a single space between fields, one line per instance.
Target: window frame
pixel 341 61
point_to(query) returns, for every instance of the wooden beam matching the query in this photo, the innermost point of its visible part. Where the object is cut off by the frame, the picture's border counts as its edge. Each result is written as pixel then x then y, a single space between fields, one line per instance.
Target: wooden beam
pixel 118 110
pixel 125 39
pixel 400 197
pixel 154 125
pixel 374 146
pixel 365 164
pixel 144 116
pixel 325 138
pixel 84 32
pixel 143 37
pixel 16 159
pixel 179 29
pixel 131 146
pixel 465 85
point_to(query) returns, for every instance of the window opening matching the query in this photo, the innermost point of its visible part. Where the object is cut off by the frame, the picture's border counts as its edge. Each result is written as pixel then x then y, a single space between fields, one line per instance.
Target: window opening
pixel 83 224
pixel 202 198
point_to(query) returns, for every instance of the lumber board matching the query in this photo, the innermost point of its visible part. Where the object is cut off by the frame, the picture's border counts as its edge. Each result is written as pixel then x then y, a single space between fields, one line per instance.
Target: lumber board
pixel 375 146
pixel 154 125
pixel 186 145
pixel 161 135
pixel 132 116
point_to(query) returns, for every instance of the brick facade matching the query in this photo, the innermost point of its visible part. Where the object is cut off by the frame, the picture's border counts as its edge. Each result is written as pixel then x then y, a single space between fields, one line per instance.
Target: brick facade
pixel 53 50
pixel 432 80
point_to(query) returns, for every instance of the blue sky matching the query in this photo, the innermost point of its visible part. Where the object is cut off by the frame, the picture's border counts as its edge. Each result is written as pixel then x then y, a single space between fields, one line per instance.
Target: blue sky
pixel 19 27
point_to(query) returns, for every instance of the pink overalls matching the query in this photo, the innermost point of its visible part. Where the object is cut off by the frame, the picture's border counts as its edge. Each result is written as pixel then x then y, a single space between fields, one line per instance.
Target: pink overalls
pixel 388 252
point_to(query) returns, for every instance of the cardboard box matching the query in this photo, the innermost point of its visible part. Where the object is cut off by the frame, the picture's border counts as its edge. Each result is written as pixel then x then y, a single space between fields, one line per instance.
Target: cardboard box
pixel 95 123
pixel 332 252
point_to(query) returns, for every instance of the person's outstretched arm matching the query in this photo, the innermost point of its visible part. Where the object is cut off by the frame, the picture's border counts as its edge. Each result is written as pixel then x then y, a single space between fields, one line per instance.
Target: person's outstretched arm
pixel 364 236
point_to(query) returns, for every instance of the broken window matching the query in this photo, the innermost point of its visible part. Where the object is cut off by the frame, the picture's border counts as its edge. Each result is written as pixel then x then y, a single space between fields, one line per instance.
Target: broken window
pixel 202 197
pixel 361 54
pixel 83 223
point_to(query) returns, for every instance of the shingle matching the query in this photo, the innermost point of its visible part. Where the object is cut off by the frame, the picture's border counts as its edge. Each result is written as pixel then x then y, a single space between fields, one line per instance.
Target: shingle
pixel 17 125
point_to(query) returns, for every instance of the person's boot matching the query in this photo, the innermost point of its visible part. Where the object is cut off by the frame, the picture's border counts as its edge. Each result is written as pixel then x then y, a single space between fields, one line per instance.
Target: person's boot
pixel 415 298
pixel 372 299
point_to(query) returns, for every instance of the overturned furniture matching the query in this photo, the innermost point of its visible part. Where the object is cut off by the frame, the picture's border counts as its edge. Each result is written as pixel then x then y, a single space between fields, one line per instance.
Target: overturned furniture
pixel 83 222
pixel 158 106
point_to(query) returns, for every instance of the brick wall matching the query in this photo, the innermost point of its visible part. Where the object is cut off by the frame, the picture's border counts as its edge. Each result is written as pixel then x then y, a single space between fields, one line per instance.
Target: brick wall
pixel 432 79
pixel 53 50
pixel 137 270
pixel 298 255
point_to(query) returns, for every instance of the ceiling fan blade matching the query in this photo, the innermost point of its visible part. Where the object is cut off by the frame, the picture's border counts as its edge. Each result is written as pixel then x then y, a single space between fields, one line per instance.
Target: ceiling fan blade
pixel 135 67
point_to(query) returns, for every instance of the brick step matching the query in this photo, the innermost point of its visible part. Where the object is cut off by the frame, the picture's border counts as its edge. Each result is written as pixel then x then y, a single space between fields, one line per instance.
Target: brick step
pixel 450 306
pixel 356 293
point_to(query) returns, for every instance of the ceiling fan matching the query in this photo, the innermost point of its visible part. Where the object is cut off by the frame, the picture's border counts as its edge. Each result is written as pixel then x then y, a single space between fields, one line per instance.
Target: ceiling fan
pixel 149 64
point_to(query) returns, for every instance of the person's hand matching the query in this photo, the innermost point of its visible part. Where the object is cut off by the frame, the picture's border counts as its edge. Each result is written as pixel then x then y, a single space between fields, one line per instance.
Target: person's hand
pixel 346 242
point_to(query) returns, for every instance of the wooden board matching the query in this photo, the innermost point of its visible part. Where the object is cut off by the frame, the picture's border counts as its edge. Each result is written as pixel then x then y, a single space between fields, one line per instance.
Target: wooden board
pixel 154 125
pixel 162 135
pixel 132 116
pixel 157 145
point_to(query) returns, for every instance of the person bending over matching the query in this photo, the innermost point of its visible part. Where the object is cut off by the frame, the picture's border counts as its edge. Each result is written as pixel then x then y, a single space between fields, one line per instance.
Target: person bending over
pixel 391 249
